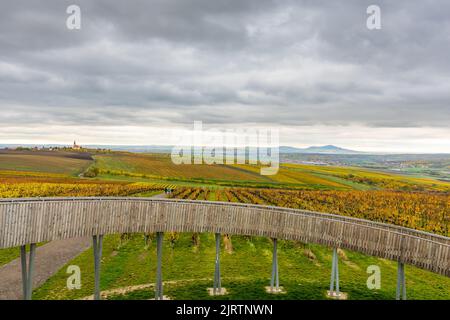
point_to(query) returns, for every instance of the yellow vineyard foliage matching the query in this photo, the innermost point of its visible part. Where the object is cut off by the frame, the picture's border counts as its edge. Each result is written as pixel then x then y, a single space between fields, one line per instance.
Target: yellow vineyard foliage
pixel 417 210
pixel 39 189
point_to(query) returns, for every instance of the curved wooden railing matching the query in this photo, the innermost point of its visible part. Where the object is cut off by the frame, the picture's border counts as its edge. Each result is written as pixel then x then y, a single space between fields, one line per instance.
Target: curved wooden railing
pixel 24 221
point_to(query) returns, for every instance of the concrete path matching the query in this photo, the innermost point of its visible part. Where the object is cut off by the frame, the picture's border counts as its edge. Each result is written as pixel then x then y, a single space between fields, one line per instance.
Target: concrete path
pixel 49 259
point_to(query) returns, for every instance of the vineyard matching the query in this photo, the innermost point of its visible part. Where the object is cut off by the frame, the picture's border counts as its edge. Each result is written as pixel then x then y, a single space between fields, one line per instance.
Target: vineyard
pixel 357 177
pixel 157 168
pixel 290 176
pixel 45 162
pixel 411 202
pixel 355 192
pixel 161 166
pixel 421 211
pixel 20 188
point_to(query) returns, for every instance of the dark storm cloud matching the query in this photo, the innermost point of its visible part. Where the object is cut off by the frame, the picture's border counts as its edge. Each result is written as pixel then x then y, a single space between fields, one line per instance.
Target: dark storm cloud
pixel 285 62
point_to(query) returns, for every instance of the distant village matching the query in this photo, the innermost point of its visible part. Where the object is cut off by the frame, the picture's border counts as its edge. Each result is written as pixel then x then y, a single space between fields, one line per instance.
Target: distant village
pixel 71 147
pixel 74 146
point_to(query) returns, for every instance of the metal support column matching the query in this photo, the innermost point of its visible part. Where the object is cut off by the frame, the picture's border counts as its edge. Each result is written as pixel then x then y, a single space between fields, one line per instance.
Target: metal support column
pixel 98 245
pixel 23 259
pixel 27 274
pixel 401 282
pixel 158 286
pixel 334 283
pixel 274 281
pixel 217 283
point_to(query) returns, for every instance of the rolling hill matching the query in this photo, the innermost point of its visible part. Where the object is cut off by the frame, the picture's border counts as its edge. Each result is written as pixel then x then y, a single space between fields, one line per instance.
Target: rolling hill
pixel 328 149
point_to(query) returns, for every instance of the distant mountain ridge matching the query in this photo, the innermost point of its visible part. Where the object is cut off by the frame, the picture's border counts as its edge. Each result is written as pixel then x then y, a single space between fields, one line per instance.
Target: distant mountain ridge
pixel 328 149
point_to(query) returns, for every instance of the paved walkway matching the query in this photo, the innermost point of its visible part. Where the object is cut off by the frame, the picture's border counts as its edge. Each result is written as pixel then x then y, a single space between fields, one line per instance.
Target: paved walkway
pixel 49 259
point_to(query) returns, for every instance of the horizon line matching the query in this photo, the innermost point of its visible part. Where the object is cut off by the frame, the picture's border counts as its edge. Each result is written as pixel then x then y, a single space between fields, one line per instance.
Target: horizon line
pixel 356 152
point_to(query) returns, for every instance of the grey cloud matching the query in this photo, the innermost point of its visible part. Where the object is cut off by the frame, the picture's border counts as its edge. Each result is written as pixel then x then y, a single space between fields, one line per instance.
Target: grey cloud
pixel 284 62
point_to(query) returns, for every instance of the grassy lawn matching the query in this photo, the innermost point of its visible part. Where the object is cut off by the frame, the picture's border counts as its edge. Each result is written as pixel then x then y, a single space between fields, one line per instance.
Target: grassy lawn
pixel 304 271
pixel 9 254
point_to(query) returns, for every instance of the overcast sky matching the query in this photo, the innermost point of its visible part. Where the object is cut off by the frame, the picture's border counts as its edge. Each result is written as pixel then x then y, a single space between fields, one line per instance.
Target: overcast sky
pixel 137 69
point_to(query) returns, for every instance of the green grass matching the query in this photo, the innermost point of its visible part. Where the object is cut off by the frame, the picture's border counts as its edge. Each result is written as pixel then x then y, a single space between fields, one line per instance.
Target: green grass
pixel 9 254
pixel 245 271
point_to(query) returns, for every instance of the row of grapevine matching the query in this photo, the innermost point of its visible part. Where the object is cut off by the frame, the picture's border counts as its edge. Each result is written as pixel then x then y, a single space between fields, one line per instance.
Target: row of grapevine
pixel 423 211
pixel 33 189
pixel 182 193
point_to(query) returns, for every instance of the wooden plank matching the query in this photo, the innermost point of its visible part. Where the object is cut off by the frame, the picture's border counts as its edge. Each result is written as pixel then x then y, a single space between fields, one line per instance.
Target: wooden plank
pixel 35 220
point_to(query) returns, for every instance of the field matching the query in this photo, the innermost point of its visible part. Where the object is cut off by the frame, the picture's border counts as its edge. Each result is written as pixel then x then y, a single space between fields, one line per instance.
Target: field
pixel 290 176
pixel 19 185
pixel 157 168
pixel 52 174
pixel 375 179
pixel 160 166
pixel 128 265
pixel 36 189
pixel 68 163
